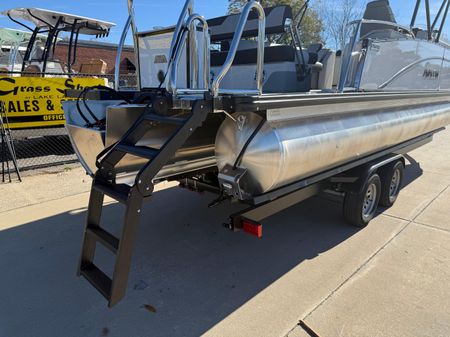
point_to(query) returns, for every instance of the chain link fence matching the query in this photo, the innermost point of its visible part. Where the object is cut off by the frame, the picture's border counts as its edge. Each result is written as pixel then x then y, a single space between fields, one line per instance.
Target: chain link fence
pixel 44 146
pixel 39 148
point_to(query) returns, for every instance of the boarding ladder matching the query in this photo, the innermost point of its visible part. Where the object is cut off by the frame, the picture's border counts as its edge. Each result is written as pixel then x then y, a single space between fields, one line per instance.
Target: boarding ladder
pixel 132 196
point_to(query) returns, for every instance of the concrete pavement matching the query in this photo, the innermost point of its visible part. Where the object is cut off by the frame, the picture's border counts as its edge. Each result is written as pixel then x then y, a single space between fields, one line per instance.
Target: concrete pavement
pixel 191 277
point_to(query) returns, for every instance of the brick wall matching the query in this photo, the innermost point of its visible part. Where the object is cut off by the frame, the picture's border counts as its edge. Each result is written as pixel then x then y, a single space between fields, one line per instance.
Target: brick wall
pixel 87 53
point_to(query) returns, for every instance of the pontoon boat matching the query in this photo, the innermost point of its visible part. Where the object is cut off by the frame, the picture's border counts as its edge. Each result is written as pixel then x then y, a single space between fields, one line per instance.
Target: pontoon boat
pixel 222 109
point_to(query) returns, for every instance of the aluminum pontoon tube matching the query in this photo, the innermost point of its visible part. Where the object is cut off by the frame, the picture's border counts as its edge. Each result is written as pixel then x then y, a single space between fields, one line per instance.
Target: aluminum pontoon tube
pixel 196 153
pixel 285 151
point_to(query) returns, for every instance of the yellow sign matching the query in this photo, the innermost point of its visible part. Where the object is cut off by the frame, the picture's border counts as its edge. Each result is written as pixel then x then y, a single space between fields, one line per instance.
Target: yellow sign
pixel 33 102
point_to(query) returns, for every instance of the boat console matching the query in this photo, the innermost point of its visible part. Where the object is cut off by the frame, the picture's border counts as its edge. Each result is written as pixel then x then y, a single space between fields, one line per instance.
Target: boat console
pixel 46 28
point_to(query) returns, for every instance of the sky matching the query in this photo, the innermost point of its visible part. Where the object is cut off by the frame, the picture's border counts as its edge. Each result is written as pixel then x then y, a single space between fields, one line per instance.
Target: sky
pixel 154 13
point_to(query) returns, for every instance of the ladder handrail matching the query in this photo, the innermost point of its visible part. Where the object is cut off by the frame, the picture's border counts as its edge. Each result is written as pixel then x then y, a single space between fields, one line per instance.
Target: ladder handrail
pixel 129 23
pixel 119 53
pixel 189 27
pixel 235 43
pixel 187 10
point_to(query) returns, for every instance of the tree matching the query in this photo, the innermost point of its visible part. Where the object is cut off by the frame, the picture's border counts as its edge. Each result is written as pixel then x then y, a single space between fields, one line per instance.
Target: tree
pixel 336 15
pixel 310 28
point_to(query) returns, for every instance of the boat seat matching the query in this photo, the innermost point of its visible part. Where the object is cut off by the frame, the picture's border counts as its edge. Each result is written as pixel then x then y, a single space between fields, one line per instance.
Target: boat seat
pixel 313 52
pixel 377 10
pixel 337 68
pixel 323 79
pixel 315 48
pixel 223 28
pixel 32 71
pixel 272 54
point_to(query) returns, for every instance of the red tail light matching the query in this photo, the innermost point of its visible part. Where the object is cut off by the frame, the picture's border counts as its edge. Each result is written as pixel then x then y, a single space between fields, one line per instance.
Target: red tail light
pixel 252 228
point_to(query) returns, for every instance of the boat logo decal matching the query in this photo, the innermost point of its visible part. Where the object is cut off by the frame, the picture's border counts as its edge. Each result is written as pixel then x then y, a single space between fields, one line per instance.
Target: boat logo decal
pixel 430 73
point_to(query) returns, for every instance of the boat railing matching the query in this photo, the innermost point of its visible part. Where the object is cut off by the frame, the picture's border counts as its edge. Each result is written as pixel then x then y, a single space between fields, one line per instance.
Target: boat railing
pixel 348 56
pixel 190 29
pixel 215 87
pixel 445 44
pixel 129 23
pixel 384 23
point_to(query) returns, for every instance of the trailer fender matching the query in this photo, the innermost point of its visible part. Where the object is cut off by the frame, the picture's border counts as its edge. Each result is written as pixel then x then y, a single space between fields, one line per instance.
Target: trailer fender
pixel 356 178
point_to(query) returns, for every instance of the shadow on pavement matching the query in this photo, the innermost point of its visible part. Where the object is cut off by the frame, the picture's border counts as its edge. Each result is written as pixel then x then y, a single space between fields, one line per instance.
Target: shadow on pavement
pixel 186 266
pixel 412 171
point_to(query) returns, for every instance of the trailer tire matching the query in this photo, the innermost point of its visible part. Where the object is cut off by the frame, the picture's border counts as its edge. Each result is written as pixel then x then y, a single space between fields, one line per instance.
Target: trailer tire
pixel 391 182
pixel 360 208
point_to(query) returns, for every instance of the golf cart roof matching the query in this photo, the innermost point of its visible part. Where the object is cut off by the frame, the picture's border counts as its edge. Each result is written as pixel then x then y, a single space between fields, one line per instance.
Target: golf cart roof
pixel 43 18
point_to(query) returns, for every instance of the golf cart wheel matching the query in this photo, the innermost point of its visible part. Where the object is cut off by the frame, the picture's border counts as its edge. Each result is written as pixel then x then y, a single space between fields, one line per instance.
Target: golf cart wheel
pixel 360 208
pixel 391 182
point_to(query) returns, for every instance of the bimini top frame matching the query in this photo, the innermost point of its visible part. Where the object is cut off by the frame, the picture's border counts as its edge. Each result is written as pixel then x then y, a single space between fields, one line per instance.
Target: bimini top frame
pixel 52 24
pixel 432 32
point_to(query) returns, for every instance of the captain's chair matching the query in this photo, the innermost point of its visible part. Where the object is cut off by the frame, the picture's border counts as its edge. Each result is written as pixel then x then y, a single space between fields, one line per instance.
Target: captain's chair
pixel 377 10
pixel 223 28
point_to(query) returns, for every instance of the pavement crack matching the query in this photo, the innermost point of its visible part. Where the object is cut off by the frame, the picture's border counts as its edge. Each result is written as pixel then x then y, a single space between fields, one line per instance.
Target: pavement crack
pixel 432 200
pixel 356 271
pixel 432 227
pixel 307 329
pixel 373 255
pixel 394 217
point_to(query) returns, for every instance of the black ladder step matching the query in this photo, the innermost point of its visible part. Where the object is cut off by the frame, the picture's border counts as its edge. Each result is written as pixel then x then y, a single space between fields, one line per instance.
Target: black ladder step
pixel 140 151
pixel 105 238
pixel 118 192
pixel 165 119
pixel 97 278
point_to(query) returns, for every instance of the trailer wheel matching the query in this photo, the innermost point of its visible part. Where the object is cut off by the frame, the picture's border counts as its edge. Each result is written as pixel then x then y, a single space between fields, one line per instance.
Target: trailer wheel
pixel 391 182
pixel 360 208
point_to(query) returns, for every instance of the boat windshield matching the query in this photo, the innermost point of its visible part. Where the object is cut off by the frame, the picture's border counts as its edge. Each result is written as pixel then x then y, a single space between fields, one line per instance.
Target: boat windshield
pixel 13 44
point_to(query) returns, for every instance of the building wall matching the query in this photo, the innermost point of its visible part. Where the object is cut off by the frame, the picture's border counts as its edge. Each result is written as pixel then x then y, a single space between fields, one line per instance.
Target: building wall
pixel 86 53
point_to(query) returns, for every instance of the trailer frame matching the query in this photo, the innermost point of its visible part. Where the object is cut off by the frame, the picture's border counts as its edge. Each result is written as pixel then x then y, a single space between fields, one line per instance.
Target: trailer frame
pixel 349 177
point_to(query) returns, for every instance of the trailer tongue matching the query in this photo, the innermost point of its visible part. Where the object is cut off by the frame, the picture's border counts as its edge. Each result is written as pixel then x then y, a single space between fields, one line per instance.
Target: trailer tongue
pixel 265 124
